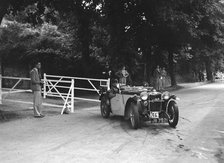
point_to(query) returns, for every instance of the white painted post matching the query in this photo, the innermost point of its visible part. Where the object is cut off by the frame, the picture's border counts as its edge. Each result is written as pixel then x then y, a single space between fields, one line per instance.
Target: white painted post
pixel 45 87
pixel 108 84
pixel 72 95
pixel 0 88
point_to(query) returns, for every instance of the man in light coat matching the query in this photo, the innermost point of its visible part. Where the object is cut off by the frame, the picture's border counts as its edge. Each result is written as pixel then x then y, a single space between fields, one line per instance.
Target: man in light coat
pixel 122 74
pixel 36 88
pixel 163 74
pixel 157 76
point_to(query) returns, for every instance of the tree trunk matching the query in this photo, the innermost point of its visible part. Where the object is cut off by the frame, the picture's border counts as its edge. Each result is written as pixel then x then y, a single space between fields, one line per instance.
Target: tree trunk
pixel 116 24
pixel 172 69
pixel 148 65
pixel 208 69
pixel 3 9
pixel 85 36
pixel 4 4
pixel 2 14
pixel 1 18
pixel 1 66
pixel 84 32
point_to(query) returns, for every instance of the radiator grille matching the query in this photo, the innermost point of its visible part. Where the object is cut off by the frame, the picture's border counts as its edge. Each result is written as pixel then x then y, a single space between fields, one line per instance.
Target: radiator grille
pixel 155 106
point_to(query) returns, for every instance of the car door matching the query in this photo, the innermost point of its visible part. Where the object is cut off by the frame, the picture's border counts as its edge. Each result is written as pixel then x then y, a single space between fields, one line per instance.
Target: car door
pixel 117 105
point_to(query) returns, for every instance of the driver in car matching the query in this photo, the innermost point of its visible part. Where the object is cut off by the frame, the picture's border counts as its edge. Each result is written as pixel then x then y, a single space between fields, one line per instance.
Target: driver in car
pixel 113 89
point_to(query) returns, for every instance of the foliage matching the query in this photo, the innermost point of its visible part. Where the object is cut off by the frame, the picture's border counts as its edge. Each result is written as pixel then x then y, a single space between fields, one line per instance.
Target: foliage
pixel 131 32
pixel 24 43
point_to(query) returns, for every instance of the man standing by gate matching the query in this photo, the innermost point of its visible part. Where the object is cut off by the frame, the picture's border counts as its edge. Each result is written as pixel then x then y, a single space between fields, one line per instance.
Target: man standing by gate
pixel 36 88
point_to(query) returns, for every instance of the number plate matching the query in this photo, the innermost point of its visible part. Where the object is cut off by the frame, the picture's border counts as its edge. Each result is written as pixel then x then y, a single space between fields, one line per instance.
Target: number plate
pixel 154 114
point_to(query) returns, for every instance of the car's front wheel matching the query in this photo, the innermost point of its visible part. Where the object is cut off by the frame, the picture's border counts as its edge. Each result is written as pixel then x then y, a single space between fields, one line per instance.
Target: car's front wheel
pixel 173 113
pixel 134 116
pixel 105 107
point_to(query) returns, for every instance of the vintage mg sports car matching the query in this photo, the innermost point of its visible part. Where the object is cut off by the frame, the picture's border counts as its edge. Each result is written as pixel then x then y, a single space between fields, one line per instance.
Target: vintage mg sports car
pixel 138 104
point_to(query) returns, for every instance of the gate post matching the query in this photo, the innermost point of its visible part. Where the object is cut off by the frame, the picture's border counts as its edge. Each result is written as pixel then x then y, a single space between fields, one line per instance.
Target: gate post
pixel 108 84
pixel 72 95
pixel 0 88
pixel 45 82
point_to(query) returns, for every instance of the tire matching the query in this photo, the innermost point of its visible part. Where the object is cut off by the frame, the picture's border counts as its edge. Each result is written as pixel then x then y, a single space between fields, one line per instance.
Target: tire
pixel 173 113
pixel 104 107
pixel 134 116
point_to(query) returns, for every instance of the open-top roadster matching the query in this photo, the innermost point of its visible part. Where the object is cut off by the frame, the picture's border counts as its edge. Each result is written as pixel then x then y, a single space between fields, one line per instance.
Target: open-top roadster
pixel 138 104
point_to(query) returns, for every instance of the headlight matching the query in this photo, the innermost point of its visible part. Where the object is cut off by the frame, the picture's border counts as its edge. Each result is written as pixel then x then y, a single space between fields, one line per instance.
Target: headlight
pixel 144 96
pixel 166 95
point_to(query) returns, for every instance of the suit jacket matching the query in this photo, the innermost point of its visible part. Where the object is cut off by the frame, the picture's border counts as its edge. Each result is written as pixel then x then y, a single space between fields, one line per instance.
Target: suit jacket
pixel 35 80
pixel 157 74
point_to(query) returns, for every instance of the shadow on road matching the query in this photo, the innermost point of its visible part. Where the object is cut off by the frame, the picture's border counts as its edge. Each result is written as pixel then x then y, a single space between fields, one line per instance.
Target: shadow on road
pixel 154 128
pixel 6 116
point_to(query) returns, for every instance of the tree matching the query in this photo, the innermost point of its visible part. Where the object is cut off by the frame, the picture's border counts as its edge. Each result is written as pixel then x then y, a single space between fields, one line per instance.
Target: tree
pixel 169 27
pixel 210 38
pixel 80 14
pixel 133 32
pixel 21 43
pixel 13 6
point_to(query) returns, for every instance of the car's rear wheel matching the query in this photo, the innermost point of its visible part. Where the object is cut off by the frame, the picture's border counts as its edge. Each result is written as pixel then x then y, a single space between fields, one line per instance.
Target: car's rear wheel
pixel 173 113
pixel 134 116
pixel 105 107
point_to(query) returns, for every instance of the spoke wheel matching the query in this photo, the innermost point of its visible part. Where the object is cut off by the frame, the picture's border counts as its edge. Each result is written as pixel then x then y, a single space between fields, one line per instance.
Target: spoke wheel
pixel 105 108
pixel 134 116
pixel 173 113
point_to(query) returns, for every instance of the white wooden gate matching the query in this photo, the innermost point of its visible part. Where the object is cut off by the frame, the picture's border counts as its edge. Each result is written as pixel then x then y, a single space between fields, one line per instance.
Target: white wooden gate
pixel 52 84
pixel 59 86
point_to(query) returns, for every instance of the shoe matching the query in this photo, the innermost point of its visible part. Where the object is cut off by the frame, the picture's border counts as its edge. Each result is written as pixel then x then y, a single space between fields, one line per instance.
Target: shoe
pixel 38 116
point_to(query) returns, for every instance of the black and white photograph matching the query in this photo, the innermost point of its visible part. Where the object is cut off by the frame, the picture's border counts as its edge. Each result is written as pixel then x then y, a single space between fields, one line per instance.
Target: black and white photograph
pixel 111 81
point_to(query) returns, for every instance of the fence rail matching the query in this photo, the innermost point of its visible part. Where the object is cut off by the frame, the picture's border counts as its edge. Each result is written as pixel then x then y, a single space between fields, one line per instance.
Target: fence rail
pixel 53 82
pixel 13 89
pixel 53 85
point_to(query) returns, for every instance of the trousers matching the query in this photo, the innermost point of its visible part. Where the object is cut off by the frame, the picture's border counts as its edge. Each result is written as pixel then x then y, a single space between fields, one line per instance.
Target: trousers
pixel 163 83
pixel 158 83
pixel 37 103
